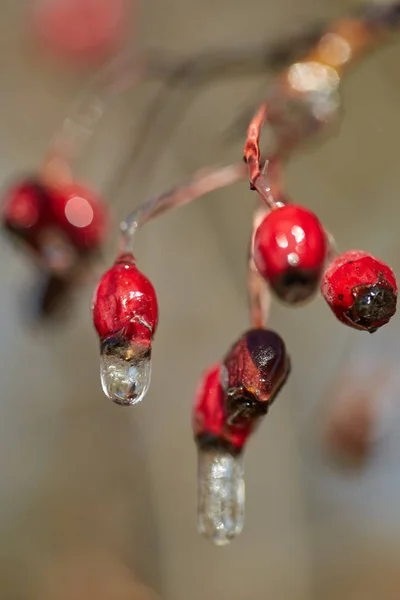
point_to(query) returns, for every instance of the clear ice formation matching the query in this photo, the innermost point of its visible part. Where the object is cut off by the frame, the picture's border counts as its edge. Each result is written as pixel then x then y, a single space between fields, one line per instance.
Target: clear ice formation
pixel 125 380
pixel 221 495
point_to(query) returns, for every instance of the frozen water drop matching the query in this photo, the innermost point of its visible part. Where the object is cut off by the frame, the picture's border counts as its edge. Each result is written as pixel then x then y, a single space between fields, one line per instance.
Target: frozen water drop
pixel 125 372
pixel 221 495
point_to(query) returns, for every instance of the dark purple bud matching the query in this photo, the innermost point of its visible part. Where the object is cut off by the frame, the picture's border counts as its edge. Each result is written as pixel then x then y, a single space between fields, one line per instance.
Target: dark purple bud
pixel 253 372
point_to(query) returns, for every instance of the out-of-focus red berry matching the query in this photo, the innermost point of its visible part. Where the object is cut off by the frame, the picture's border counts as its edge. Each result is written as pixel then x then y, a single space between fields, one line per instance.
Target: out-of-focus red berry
pixel 253 373
pixel 33 211
pixel 125 303
pixel 26 211
pixel 290 248
pixel 361 290
pixel 61 226
pixel 79 29
pixel 81 215
pixel 209 420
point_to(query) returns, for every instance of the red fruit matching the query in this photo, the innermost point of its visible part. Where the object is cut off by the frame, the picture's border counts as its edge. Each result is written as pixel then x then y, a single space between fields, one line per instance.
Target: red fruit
pixel 253 373
pixel 81 216
pixel 361 290
pixel 209 422
pixel 26 211
pixel 33 212
pixel 79 29
pixel 125 304
pixel 290 248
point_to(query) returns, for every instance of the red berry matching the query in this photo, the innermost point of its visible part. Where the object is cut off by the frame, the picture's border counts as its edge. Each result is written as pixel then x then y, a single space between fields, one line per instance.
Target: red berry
pixel 125 303
pixel 290 248
pixel 361 290
pixel 81 216
pixel 26 211
pixel 79 29
pixel 210 426
pixel 125 316
pixel 253 373
pixel 33 212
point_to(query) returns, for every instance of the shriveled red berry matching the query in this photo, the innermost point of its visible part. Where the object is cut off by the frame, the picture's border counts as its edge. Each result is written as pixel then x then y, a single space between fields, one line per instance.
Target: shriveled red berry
pixel 253 372
pixel 80 214
pixel 125 302
pixel 361 290
pixel 26 211
pixel 290 248
pixel 209 422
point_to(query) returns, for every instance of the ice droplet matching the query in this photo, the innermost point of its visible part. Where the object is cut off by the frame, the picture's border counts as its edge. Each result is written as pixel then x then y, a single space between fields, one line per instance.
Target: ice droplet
pixel 125 373
pixel 221 495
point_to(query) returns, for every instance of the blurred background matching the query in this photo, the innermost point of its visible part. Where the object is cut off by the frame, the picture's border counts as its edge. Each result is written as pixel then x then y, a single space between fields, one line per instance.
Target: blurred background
pixel 97 501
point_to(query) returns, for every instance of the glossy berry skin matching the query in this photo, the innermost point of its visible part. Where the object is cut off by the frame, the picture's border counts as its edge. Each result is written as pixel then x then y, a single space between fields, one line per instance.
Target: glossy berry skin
pixel 26 211
pixel 253 372
pixel 361 290
pixel 209 422
pixel 81 216
pixel 125 303
pixel 290 248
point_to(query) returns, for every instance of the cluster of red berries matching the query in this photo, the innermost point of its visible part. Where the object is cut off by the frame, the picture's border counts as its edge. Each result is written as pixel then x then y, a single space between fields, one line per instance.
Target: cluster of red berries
pixel 64 225
pixel 291 251
pixel 31 209
pixel 61 226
